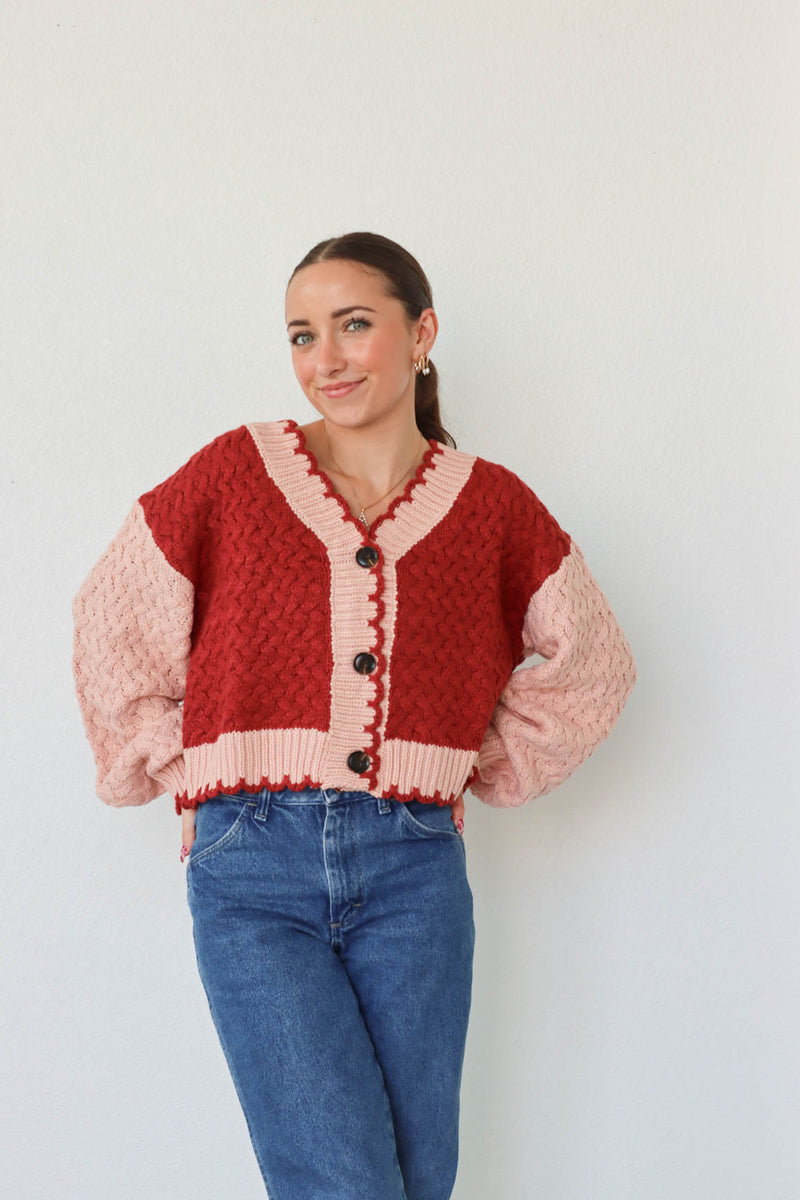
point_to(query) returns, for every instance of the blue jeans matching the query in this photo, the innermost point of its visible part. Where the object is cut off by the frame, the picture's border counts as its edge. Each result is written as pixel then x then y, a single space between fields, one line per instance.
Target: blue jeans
pixel 334 937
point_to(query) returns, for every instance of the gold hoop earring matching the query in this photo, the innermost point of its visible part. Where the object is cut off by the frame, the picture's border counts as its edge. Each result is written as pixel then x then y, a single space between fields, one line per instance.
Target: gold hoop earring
pixel 422 365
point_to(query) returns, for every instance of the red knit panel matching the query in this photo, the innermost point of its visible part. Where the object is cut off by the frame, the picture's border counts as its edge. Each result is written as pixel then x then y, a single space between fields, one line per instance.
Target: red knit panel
pixel 475 619
pixel 262 594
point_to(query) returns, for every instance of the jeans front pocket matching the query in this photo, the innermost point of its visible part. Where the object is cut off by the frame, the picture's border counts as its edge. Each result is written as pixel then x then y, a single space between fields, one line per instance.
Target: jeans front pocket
pixel 218 821
pixel 427 820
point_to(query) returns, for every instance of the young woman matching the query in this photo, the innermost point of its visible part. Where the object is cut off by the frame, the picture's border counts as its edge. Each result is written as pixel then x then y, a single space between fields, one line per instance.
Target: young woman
pixel 307 635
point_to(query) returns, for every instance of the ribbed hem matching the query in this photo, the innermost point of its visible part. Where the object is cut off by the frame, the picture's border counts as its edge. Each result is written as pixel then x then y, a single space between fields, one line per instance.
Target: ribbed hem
pixel 298 758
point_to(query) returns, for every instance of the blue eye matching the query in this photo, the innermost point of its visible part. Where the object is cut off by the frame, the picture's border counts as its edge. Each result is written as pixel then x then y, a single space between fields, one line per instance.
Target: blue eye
pixel 295 338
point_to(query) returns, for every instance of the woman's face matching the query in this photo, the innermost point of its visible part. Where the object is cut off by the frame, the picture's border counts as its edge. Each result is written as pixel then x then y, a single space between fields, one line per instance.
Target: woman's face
pixel 344 331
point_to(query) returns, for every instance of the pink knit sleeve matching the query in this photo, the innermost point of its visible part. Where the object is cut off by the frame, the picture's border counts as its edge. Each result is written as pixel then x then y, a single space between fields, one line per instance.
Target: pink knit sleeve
pixel 552 715
pixel 132 632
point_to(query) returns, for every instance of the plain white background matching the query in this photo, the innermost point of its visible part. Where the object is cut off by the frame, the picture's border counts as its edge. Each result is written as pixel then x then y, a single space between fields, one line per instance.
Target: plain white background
pixel 605 198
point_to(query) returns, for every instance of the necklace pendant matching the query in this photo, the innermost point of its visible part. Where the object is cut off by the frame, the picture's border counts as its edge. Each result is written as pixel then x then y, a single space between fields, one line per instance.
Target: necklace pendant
pixel 362 517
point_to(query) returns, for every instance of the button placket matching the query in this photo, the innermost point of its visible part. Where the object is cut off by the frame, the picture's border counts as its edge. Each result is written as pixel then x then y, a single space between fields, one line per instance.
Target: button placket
pixel 365 662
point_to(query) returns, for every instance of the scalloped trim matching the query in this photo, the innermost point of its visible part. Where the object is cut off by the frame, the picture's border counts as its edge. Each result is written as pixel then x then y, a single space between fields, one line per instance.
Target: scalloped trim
pixel 292 786
pixel 214 789
pixel 302 449
pixel 376 703
pixel 416 794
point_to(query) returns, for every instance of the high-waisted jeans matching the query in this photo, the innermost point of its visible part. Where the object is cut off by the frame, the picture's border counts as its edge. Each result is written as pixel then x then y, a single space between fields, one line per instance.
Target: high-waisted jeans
pixel 334 936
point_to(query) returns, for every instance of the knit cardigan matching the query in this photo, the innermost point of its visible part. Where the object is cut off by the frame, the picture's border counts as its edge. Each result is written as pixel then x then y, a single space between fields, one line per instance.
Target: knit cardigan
pixel 244 630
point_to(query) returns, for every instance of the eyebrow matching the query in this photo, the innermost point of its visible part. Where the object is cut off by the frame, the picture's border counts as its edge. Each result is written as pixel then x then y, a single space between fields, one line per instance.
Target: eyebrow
pixel 340 312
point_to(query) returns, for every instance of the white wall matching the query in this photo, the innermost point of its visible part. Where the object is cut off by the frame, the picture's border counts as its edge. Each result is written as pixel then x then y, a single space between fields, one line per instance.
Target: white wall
pixel 605 198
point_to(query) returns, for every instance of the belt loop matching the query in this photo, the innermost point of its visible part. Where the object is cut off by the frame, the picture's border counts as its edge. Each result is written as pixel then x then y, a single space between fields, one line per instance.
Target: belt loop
pixel 262 808
pixel 384 805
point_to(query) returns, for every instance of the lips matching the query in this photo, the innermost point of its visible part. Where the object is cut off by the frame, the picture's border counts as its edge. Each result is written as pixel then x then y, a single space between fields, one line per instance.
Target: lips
pixel 341 389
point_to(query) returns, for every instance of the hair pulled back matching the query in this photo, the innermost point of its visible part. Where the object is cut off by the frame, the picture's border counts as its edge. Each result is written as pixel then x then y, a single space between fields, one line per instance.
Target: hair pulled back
pixel 405 281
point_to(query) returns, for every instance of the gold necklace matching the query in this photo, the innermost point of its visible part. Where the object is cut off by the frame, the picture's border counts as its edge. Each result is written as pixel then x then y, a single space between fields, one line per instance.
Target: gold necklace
pixel 362 515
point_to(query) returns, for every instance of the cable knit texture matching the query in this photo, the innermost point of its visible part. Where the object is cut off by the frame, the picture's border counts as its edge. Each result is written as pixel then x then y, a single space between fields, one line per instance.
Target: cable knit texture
pixel 243 630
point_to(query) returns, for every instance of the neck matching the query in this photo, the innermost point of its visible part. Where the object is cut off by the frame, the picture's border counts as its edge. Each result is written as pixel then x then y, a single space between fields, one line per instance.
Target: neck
pixel 371 459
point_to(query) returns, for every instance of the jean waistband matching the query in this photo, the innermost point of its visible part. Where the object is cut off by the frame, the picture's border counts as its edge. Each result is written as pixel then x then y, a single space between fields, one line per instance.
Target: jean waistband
pixel 324 796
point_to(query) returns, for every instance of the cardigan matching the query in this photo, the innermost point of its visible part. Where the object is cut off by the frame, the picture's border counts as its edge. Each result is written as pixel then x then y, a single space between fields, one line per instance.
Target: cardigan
pixel 244 630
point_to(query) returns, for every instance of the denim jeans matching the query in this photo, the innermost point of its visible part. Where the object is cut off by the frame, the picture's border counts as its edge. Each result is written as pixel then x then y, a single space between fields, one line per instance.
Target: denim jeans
pixel 334 937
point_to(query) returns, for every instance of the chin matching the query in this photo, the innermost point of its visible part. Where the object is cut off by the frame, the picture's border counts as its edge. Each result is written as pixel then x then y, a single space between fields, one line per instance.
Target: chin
pixel 340 412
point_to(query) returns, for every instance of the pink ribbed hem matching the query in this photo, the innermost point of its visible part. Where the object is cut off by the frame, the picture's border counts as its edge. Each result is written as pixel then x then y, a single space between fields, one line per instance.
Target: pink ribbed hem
pixel 299 758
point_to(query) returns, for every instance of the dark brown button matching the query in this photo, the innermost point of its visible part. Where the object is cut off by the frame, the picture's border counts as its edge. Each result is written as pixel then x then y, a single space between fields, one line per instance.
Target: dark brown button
pixel 364 663
pixel 367 556
pixel 358 761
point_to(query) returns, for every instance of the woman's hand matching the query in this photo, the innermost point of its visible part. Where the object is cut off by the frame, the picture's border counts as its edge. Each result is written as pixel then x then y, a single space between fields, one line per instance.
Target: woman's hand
pixel 187 821
pixel 457 813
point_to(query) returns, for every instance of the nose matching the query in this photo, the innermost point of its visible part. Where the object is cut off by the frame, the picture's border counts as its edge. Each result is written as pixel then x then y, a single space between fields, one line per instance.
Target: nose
pixel 330 358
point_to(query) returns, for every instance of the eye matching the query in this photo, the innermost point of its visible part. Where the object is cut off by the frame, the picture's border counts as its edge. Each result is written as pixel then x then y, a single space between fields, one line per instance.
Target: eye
pixel 295 338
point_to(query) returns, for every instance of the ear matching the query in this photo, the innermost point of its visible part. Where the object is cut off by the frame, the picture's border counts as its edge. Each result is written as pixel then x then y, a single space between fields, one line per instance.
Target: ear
pixel 427 329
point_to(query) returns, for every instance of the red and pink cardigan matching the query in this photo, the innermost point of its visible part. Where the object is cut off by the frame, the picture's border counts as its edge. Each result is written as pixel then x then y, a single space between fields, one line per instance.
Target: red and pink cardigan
pixel 243 631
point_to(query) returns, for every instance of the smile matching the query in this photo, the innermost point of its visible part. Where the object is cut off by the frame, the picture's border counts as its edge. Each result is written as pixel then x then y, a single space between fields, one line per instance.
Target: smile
pixel 341 389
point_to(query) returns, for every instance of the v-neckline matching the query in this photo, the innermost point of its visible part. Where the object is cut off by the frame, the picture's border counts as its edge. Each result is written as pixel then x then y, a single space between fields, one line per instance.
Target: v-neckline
pixel 303 449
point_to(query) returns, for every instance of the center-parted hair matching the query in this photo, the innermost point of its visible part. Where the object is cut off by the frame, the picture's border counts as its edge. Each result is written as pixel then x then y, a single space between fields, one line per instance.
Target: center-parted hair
pixel 404 280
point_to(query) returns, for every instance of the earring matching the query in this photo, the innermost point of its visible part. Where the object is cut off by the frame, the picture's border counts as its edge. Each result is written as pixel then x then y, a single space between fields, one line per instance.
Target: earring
pixel 422 365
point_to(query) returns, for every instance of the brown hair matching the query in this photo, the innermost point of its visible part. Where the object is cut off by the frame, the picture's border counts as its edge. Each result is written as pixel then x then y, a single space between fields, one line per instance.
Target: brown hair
pixel 405 281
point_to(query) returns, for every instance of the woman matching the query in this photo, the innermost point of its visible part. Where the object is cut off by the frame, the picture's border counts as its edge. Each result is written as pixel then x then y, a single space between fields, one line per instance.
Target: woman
pixel 307 635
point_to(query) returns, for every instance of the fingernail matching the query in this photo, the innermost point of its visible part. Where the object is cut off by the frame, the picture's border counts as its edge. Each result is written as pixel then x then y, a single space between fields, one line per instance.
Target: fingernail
pixel 460 825
pixel 184 852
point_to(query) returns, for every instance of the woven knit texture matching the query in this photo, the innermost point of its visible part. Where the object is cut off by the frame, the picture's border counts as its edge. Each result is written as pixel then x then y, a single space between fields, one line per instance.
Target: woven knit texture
pixel 133 622
pixel 551 716
pixel 220 641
